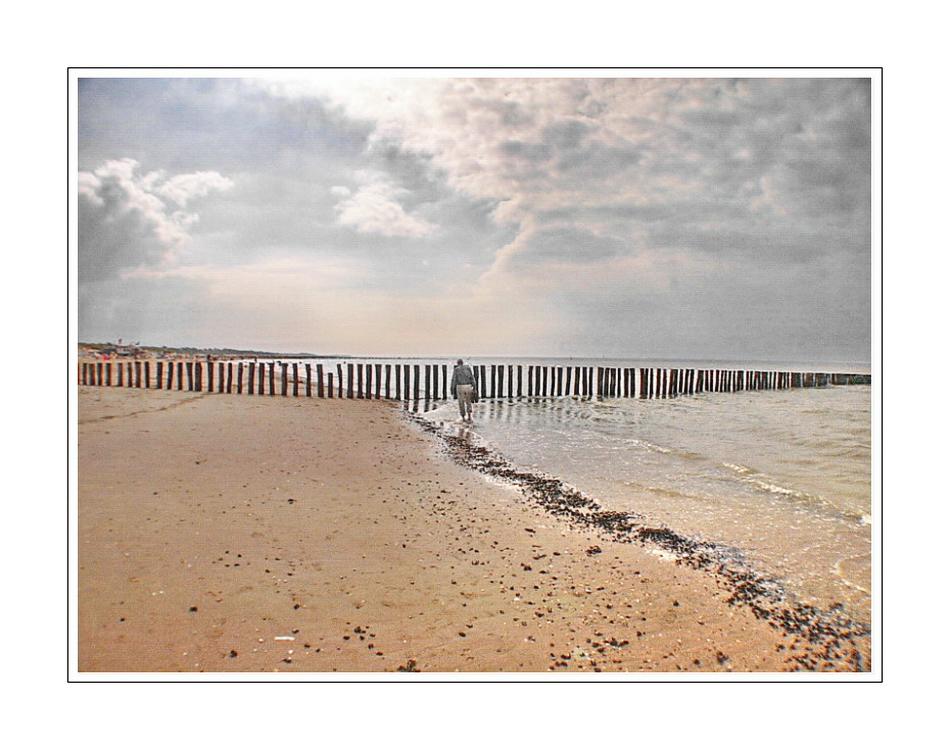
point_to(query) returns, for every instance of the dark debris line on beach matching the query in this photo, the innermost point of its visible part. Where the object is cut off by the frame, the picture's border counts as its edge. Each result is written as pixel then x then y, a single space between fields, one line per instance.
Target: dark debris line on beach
pixel 831 639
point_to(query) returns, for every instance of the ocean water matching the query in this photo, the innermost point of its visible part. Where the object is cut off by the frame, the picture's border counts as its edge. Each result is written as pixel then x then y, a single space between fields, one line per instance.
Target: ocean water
pixel 783 477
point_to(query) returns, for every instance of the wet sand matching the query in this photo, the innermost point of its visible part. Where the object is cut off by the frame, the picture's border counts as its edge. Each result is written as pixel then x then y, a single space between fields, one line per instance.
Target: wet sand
pixel 225 533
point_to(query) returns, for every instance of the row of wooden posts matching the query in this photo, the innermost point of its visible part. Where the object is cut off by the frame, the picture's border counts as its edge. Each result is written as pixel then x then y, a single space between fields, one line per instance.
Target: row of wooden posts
pixel 417 382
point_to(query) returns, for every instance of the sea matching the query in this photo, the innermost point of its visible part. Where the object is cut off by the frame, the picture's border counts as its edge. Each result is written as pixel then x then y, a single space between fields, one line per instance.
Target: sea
pixel 784 479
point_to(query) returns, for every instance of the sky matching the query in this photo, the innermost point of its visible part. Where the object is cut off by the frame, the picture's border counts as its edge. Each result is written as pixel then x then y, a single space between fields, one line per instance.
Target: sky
pixel 354 212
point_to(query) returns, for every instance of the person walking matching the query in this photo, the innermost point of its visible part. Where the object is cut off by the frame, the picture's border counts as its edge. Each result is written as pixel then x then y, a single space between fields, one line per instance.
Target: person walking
pixel 463 388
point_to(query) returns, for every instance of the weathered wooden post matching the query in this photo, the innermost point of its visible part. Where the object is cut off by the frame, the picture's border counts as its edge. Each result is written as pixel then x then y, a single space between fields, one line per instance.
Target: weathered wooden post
pixel 330 385
pixel 320 391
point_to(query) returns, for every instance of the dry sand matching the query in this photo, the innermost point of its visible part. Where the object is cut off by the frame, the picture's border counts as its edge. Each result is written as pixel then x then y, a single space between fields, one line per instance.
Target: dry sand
pixel 225 533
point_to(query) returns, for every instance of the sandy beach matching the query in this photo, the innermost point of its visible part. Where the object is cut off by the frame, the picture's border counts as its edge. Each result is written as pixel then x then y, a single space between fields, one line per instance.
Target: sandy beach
pixel 225 533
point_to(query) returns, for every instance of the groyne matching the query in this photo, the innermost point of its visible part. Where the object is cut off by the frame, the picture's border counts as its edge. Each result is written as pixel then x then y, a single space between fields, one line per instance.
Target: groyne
pixel 430 382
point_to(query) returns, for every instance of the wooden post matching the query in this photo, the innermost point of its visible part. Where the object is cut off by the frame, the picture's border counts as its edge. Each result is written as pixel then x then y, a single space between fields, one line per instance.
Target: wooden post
pixel 415 382
pixel 320 391
pixel 379 379
pixel 330 384
pixel 389 380
pixel 349 380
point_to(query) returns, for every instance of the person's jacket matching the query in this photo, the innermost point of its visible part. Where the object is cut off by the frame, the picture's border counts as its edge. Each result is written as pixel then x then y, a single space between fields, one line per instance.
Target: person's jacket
pixel 462 376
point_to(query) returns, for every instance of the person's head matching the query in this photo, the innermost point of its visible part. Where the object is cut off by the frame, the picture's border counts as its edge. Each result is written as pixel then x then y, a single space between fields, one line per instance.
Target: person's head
pixel 459 362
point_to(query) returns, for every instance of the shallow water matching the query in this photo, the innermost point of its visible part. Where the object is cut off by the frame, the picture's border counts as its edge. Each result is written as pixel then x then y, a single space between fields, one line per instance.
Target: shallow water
pixel 782 476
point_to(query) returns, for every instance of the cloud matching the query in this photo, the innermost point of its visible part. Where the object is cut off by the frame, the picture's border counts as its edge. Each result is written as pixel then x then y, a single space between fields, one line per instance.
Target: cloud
pixel 375 209
pixel 696 207
pixel 127 218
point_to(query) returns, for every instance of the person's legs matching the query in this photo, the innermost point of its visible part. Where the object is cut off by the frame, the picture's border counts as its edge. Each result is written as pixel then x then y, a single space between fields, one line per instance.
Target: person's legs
pixel 464 393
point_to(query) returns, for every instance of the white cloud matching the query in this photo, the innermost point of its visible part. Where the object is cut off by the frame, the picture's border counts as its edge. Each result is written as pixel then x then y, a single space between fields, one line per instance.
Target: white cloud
pixel 374 209
pixel 182 188
pixel 118 189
